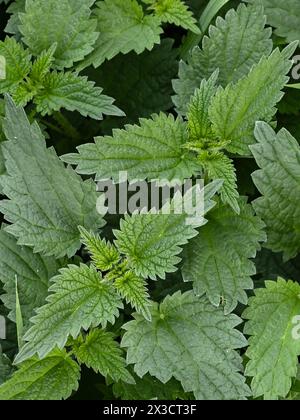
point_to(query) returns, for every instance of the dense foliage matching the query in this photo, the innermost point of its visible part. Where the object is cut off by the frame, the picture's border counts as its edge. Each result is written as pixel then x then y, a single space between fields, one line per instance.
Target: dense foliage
pixel 146 305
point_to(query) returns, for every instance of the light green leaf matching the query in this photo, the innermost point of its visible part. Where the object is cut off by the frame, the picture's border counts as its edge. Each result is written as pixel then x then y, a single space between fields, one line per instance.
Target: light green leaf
pixel 199 124
pixel 80 299
pixel 151 150
pixel 74 93
pixel 103 254
pixel 17 64
pixel 47 202
pixel 152 242
pixel 225 49
pixel 274 345
pixel 134 290
pixel 42 64
pixel 174 11
pixel 123 27
pixel 65 22
pixel 53 378
pixel 99 351
pixel 220 166
pixel 235 109
pixel 218 262
pixel 192 341
pixel 278 180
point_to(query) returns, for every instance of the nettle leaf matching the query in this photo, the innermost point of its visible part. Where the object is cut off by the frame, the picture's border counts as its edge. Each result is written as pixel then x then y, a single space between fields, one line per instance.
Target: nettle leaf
pixel 103 254
pixel 80 299
pixel 218 262
pixel 235 109
pixel 199 124
pixel 17 64
pixel 32 272
pixel 53 378
pixel 174 11
pixel 192 341
pixel 134 290
pixel 225 49
pixel 151 150
pixel 274 345
pixel 152 242
pixel 99 351
pixel 65 22
pixel 74 93
pixel 284 15
pixel 123 27
pixel 47 202
pixel 278 180
pixel 220 166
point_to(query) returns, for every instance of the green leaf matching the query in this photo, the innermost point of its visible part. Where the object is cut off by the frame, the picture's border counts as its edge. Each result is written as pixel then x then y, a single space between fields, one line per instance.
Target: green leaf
pixel 284 15
pixel 65 22
pixel 225 49
pixel 199 124
pixel 53 378
pixel 235 109
pixel 47 202
pixel 42 64
pixel 33 273
pixel 123 27
pixel 80 299
pixel 17 64
pixel 174 11
pixel 148 388
pixel 151 150
pixel 152 242
pixel 273 349
pixel 218 262
pixel 104 255
pixel 134 290
pixel 102 353
pixel 278 180
pixel 220 166
pixel 192 341
pixel 74 93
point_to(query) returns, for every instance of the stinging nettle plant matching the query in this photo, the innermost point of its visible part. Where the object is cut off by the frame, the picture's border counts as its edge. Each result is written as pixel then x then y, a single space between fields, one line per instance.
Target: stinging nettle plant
pixel 146 305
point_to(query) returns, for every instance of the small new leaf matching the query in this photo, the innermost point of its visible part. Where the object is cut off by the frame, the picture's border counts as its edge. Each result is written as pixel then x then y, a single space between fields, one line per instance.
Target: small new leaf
pixel 103 254
pixel 174 11
pixel 134 290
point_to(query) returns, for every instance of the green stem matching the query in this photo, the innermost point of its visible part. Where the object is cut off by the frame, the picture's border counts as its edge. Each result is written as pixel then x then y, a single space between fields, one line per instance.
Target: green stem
pixel 207 16
pixel 69 130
